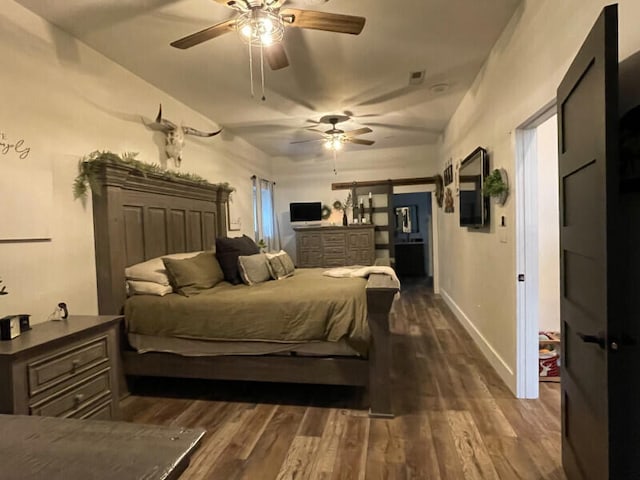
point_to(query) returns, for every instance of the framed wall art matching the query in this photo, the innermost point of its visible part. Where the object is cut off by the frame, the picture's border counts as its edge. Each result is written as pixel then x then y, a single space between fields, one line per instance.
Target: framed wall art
pixel 233 214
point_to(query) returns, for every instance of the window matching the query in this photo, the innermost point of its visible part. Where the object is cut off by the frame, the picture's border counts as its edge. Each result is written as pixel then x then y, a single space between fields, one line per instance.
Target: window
pixel 265 219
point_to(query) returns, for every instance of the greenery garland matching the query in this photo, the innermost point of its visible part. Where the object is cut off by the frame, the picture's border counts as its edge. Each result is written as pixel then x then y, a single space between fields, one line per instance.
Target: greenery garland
pixel 89 166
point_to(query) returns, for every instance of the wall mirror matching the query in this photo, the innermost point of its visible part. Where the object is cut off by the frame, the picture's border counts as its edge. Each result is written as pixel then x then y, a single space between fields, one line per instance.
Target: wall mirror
pixel 474 206
pixel 407 219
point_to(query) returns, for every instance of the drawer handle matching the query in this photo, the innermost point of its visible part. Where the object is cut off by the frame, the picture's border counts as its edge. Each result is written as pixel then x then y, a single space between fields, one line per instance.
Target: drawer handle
pixel 77 400
pixel 74 365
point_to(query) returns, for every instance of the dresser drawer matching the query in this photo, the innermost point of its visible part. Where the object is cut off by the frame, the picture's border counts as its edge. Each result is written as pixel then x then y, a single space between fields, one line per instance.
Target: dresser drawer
pixel 334 261
pixel 101 409
pixel 310 240
pixel 329 239
pixel 334 252
pixel 66 363
pixel 76 398
pixel 308 259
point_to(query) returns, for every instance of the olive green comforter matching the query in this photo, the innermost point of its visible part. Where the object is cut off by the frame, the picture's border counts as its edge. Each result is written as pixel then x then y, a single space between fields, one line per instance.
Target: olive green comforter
pixel 307 306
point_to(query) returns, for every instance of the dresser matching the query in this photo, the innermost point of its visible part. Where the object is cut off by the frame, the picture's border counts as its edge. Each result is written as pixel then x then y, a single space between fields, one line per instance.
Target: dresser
pixel 68 368
pixel 335 246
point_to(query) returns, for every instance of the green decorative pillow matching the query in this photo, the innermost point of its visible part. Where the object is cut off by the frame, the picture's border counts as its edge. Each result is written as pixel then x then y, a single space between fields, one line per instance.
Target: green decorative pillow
pixel 254 268
pixel 280 265
pixel 191 275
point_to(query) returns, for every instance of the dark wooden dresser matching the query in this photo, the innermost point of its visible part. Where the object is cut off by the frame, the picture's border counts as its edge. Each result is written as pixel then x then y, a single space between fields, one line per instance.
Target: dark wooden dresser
pixel 335 246
pixel 68 368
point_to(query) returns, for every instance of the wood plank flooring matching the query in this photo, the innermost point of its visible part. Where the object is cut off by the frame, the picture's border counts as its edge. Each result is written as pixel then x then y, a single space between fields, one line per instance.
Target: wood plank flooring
pixel 455 418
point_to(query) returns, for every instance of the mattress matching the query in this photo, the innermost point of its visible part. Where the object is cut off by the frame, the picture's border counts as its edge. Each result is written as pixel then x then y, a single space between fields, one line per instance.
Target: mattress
pixel 306 307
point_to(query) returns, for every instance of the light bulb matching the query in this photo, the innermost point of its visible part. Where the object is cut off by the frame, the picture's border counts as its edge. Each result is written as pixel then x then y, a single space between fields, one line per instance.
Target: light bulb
pixel 328 144
pixel 337 144
pixel 266 39
pixel 267 25
pixel 246 31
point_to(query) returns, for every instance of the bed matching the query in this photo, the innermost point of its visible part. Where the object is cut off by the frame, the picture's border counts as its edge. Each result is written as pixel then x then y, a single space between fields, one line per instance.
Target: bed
pixel 140 217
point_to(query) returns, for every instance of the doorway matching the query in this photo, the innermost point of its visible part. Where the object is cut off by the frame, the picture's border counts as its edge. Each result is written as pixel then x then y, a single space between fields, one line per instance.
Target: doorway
pixel 417 243
pixel 537 249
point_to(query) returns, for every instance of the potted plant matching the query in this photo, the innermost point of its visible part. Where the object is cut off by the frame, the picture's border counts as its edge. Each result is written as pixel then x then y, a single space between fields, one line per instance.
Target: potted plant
pixel 496 185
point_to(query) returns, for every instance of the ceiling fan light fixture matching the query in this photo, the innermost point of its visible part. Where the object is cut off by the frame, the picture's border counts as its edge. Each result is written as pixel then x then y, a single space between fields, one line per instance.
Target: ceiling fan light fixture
pixel 334 143
pixel 260 27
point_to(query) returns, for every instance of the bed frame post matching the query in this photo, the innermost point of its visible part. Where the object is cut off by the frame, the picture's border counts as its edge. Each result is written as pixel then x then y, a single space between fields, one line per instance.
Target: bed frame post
pixel 381 290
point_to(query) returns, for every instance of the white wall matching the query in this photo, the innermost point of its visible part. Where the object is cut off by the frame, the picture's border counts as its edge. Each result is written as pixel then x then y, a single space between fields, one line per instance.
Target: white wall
pixel 299 181
pixel 478 273
pixel 66 100
pixel 548 226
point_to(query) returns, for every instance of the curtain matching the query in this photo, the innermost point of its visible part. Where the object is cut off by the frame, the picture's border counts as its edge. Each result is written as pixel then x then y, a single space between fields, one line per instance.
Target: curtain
pixel 265 218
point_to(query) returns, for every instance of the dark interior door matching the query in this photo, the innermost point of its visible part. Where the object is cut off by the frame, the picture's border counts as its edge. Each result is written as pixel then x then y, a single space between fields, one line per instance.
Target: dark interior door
pixel 589 197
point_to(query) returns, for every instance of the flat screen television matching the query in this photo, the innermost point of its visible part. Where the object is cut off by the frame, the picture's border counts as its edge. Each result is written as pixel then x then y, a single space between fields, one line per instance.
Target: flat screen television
pixel 474 206
pixel 306 212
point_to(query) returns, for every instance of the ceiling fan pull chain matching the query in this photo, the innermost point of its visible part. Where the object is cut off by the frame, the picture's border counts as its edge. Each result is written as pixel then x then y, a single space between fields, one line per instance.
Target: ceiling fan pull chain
pixel 251 69
pixel 262 69
pixel 335 170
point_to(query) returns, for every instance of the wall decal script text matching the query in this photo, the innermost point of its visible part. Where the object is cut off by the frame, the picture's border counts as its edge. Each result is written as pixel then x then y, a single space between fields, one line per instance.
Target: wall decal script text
pixel 18 147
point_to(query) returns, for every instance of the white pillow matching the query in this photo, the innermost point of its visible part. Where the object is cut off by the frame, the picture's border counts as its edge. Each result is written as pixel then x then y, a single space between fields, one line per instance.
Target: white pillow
pixel 153 270
pixel 280 265
pixel 140 287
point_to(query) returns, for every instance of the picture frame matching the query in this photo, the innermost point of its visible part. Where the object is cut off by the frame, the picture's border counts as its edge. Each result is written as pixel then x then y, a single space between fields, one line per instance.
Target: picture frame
pixel 234 222
pixel 448 175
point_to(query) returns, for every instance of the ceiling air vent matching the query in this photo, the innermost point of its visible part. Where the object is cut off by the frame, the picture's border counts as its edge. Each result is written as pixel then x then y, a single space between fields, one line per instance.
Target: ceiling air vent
pixel 416 78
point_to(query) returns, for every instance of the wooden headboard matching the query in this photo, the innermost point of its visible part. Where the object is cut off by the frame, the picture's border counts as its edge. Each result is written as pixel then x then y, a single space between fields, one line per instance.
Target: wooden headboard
pixel 141 216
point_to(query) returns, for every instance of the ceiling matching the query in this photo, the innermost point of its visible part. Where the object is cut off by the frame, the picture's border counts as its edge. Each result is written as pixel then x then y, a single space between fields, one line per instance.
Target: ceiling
pixel 364 76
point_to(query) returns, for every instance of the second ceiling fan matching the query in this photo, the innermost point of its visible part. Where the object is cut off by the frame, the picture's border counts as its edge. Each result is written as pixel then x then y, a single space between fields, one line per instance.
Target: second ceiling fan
pixel 335 137
pixel 262 23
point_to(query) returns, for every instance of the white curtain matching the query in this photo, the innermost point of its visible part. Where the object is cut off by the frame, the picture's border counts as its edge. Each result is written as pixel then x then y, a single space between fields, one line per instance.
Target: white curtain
pixel 265 218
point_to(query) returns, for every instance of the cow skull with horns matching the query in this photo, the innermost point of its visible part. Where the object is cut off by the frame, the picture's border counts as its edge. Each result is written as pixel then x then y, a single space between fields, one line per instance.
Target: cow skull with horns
pixel 174 136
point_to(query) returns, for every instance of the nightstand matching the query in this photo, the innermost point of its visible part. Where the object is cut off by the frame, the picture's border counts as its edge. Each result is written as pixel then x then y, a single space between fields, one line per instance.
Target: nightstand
pixel 68 368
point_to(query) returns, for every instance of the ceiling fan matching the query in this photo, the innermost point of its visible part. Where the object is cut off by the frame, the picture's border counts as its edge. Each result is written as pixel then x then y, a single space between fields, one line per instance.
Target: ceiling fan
pixel 334 138
pixel 262 23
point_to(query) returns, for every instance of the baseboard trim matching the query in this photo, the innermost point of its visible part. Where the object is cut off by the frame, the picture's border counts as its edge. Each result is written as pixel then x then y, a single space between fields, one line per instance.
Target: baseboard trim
pixel 497 362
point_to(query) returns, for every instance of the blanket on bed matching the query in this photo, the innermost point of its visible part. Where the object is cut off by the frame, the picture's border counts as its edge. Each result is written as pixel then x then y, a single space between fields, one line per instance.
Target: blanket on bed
pixel 307 306
pixel 362 272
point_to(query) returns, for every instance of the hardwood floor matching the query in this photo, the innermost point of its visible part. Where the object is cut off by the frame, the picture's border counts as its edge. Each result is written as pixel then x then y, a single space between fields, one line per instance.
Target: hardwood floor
pixel 455 418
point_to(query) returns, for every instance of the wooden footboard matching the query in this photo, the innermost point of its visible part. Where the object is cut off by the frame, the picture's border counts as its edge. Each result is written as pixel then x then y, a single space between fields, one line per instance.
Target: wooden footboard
pixel 374 371
pixel 381 289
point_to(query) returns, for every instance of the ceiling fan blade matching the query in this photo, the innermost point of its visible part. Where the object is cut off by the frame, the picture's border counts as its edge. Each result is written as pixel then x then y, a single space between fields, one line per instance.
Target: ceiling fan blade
pixel 307 141
pixel 330 22
pixel 206 34
pixel 276 56
pixel 241 5
pixel 360 141
pixel 359 131
pixel 314 130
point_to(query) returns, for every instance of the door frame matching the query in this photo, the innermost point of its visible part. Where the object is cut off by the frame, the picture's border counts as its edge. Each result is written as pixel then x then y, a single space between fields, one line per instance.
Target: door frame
pixel 427 188
pixel 527 295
